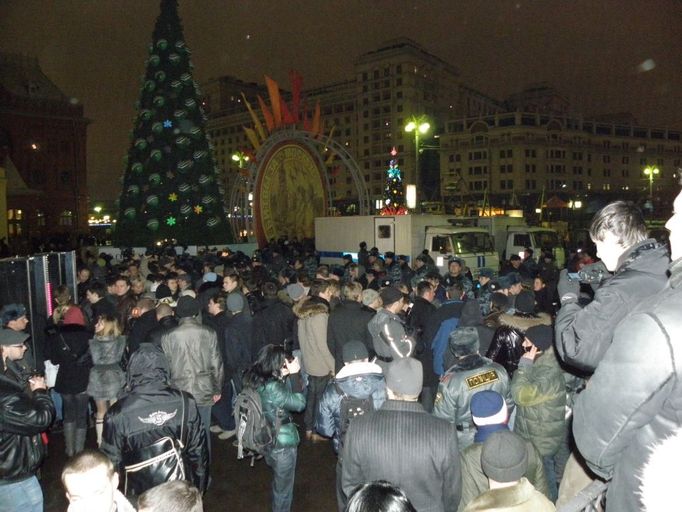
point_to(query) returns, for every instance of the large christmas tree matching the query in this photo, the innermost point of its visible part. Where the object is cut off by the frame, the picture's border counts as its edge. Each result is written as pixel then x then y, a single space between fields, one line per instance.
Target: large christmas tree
pixel 394 193
pixel 171 188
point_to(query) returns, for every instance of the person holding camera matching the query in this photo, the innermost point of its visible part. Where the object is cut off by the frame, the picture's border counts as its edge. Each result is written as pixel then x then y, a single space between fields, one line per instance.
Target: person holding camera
pixel 23 418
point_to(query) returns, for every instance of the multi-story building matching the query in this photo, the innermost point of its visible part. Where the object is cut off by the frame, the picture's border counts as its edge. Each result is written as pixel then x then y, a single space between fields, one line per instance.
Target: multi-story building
pixel 512 149
pixel 43 137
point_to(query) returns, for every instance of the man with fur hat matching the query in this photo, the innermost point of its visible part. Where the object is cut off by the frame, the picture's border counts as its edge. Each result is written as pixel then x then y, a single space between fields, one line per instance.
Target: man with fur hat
pixel 194 359
pixel 387 330
pixel 426 463
pixel 539 391
pixel 470 374
pixel 504 459
pixel 358 382
pixel 490 414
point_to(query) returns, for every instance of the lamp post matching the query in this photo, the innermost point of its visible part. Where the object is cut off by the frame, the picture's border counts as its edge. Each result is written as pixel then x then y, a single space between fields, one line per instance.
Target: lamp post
pixel 418 125
pixel 650 172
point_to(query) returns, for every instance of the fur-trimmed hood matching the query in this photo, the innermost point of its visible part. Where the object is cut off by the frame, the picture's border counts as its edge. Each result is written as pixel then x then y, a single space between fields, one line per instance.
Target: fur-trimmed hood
pixel 523 323
pixel 311 306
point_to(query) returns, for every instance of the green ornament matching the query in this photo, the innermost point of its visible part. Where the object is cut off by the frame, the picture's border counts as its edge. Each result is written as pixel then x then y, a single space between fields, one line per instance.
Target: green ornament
pixel 184 165
pixel 141 144
pixel 204 180
pixel 212 222
pixel 153 200
pixel 137 167
pixel 170 221
pixel 156 155
pixel 208 200
pixel 190 103
pixel 174 59
pixel 180 113
pixel 179 44
pixel 176 84
pixel 185 209
pixel 182 141
pixel 157 128
pixel 199 154
pixel 153 224
pixel 149 85
pixel 154 60
pixel 183 188
pixel 145 114
pixel 129 213
pixel 154 178
pixel 195 132
pixel 133 190
pixel 186 78
pixel 162 44
pixel 160 76
pixel 159 101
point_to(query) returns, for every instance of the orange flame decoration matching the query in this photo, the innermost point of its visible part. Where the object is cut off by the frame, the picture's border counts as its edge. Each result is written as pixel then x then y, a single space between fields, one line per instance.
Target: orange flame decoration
pixel 391 210
pixel 280 114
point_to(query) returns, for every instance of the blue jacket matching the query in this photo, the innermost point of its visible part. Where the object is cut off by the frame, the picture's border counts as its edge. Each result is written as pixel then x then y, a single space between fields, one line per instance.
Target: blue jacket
pixel 358 380
pixel 446 319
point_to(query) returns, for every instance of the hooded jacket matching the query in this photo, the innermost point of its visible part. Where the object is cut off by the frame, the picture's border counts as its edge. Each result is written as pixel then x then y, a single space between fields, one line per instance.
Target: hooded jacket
pixel 313 316
pixel 149 410
pixel 357 380
pixel 584 334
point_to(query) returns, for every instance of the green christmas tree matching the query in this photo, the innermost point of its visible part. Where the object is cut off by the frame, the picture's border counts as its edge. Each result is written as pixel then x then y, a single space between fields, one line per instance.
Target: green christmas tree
pixel 394 193
pixel 171 188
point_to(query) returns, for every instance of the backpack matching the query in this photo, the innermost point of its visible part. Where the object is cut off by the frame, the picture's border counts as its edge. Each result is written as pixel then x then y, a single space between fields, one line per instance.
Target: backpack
pixel 351 407
pixel 255 433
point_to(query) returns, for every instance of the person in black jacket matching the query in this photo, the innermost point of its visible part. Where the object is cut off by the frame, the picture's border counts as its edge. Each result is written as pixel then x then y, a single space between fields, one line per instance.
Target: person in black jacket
pixel 23 418
pixel 166 322
pixel 149 410
pixel 67 345
pixel 418 319
pixel 273 322
pixel 347 322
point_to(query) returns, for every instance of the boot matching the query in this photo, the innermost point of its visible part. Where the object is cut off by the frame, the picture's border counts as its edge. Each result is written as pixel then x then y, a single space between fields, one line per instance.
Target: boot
pixel 69 438
pixel 79 440
pixel 99 427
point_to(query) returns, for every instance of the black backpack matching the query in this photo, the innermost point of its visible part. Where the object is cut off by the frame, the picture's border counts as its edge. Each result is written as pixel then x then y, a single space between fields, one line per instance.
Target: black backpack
pixel 255 433
pixel 351 407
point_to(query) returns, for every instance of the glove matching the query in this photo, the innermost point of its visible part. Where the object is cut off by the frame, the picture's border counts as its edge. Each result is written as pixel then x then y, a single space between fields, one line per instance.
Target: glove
pixel 567 288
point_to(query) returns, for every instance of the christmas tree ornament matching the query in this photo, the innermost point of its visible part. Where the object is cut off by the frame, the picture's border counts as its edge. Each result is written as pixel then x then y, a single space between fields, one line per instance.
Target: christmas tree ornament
pixel 205 180
pixel 153 224
pixel 157 128
pixel 145 114
pixel 179 44
pixel 154 60
pixel 133 190
pixel 184 165
pixel 198 209
pixel 199 155
pixel 180 113
pixel 176 84
pixel 159 101
pixel 182 141
pixel 154 178
pixel 168 123
pixel 162 44
pixel 170 175
pixel 129 213
pixel 141 144
pixel 212 222
pixel 185 209
pixel 184 188
pixel 190 103
pixel 172 197
pixel 174 59
pixel 149 85
pixel 186 78
pixel 208 200
pixel 170 221
pixel 159 76
pixel 153 200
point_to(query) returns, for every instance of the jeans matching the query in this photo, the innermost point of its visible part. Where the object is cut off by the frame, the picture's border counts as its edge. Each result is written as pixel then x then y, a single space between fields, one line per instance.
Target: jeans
pixel 283 464
pixel 57 400
pixel 205 415
pixel 316 387
pixel 76 409
pixel 24 496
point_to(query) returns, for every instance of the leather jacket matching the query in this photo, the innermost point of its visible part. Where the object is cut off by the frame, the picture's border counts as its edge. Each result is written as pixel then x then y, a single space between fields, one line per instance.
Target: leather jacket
pixel 149 410
pixel 23 418
pixel 279 400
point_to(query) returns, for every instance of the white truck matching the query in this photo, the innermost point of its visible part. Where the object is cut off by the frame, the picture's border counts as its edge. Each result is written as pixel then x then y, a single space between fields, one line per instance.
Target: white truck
pixel 479 241
pixel 408 235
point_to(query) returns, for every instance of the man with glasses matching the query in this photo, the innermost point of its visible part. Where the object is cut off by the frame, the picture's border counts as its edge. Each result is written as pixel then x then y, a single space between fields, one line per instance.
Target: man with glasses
pixel 23 417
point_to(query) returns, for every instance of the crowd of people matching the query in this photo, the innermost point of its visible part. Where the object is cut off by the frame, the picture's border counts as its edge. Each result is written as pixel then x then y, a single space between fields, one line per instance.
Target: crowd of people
pixel 513 390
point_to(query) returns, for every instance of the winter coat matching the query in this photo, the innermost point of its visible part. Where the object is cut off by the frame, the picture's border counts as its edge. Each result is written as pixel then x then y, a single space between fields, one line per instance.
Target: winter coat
pixel 539 391
pixel 313 315
pixel 475 483
pixel 140 329
pixel 522 322
pixel 584 334
pixel 633 400
pixel 194 359
pixel 236 343
pixel 149 410
pixel 68 347
pixel 357 380
pixel 460 383
pixel 388 338
pixel 437 332
pixel 461 280
pixel 522 497
pixel 273 324
pixel 23 417
pixel 410 448
pixel 278 401
pixel 417 323
pixel 165 325
pixel 348 322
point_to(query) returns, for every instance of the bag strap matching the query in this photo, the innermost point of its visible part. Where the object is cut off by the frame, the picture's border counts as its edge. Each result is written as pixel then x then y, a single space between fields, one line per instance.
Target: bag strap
pixel 339 390
pixel 182 425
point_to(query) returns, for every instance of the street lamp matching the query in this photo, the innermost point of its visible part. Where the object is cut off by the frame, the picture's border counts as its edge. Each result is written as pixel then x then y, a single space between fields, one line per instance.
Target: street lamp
pixel 418 125
pixel 240 158
pixel 650 172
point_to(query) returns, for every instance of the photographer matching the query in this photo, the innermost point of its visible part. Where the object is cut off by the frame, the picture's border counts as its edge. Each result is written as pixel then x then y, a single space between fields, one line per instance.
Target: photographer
pixel 23 417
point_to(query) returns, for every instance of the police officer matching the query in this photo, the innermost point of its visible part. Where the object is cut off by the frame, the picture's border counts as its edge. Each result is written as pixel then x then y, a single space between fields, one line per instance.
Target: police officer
pixel 470 374
pixel 483 290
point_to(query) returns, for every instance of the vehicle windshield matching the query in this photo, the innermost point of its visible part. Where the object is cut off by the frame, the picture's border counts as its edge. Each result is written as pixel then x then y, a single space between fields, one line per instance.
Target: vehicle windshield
pixel 474 242
pixel 548 239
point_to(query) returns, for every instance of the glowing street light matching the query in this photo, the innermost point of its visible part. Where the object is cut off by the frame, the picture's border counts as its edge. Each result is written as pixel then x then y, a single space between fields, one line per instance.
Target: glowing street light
pixel 650 172
pixel 418 125
pixel 240 158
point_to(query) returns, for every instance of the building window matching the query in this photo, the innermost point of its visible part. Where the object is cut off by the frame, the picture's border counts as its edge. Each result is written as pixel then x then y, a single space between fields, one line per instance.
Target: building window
pixel 66 218
pixel 40 218
pixel 15 219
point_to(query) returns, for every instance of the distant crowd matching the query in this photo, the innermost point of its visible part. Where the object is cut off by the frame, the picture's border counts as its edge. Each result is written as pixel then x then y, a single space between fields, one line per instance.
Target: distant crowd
pixel 514 388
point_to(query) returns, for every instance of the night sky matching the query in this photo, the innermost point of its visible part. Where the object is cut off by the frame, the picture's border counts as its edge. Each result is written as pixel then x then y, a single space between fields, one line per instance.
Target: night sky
pixel 599 54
